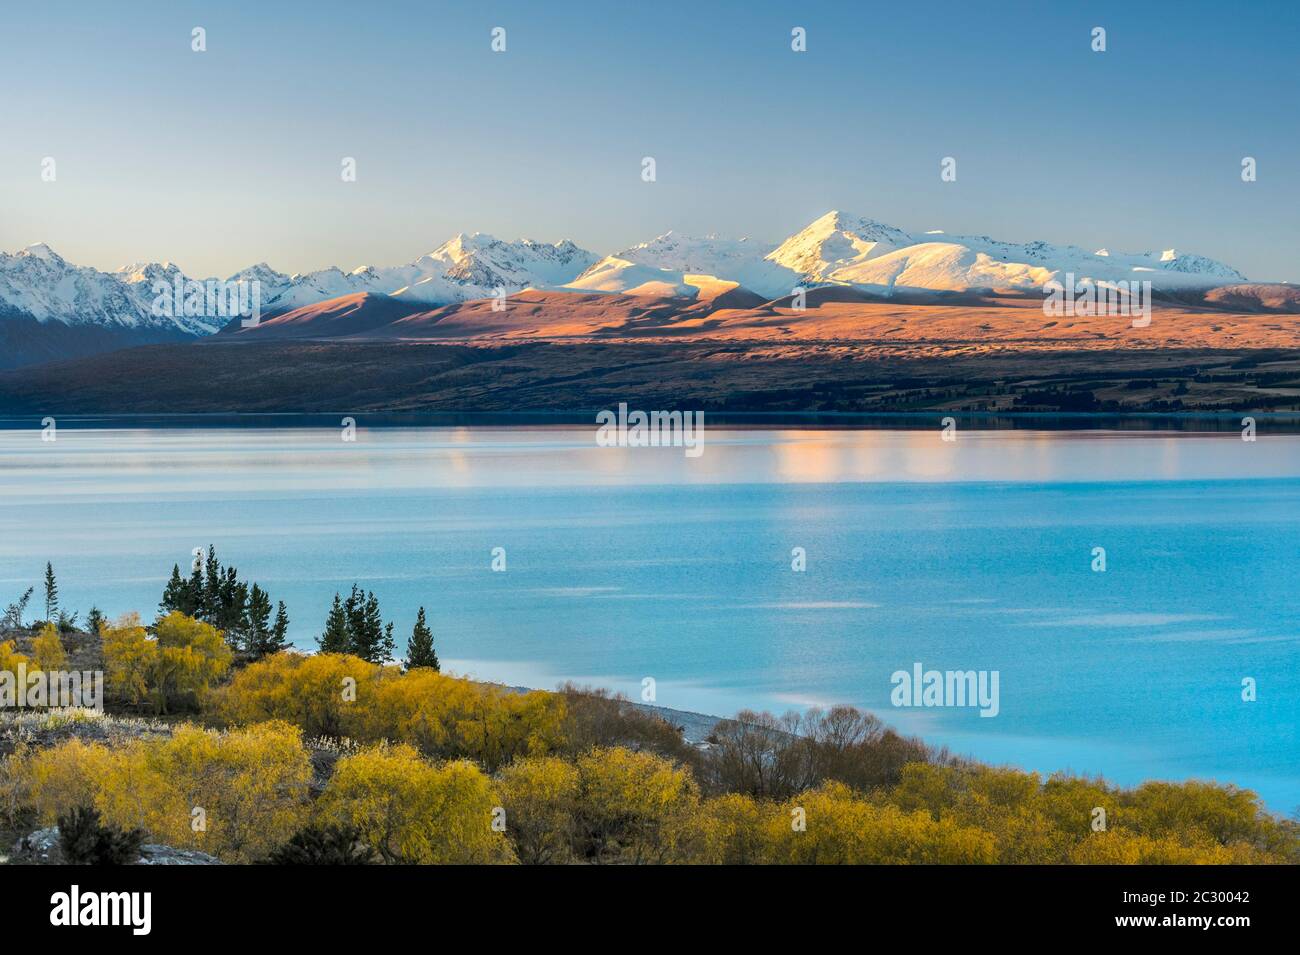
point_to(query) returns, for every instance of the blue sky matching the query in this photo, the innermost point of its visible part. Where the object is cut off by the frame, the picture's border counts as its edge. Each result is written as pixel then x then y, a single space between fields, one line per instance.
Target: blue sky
pixel 220 159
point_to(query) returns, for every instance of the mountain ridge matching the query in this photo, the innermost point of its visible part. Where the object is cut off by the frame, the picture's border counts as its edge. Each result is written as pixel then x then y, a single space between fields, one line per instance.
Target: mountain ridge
pixel 837 249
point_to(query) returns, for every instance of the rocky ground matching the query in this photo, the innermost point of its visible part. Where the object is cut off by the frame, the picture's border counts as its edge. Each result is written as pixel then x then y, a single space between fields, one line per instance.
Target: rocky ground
pixel 41 847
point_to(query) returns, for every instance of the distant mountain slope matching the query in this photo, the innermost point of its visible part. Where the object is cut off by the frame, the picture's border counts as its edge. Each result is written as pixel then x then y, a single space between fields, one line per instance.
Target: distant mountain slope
pixel 26 341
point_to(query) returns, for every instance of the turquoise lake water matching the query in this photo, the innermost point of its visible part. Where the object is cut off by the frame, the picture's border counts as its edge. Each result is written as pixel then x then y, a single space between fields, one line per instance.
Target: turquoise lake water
pixel 623 564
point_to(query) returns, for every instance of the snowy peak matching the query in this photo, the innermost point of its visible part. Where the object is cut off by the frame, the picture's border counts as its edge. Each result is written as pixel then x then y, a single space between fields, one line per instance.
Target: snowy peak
pixel 711 257
pixel 465 267
pixel 485 261
pixel 835 240
pixel 845 249
pixel 38 282
pixel 40 251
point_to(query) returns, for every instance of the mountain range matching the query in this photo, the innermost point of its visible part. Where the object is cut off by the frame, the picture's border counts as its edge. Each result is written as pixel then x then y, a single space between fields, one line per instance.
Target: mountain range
pixel 50 308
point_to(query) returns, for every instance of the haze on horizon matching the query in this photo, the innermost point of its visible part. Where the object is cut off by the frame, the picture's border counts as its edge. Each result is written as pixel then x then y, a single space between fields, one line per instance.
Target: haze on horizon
pixel 220 159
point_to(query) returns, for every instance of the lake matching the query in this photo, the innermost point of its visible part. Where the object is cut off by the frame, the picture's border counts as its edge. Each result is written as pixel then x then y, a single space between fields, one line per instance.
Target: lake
pixel 630 563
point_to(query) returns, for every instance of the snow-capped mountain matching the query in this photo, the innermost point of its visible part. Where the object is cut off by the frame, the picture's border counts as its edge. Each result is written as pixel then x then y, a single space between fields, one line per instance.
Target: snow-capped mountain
pixel 836 239
pixel 843 249
pixel 669 259
pixel 462 268
pixel 37 282
pixel 39 288
pixel 850 250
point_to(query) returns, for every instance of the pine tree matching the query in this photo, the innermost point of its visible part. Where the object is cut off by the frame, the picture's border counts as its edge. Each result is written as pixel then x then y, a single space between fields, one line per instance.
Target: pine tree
pixel 354 606
pixel 231 616
pixel 279 638
pixel 175 595
pixel 211 602
pixel 337 637
pixel 51 592
pixel 95 620
pixel 257 625
pixel 419 649
pixel 371 640
pixel 195 593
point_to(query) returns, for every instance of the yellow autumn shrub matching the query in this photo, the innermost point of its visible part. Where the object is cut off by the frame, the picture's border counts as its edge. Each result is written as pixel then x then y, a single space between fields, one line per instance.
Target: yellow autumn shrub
pixel 832 825
pixel 330 694
pixel 47 650
pixel 731 829
pixel 632 807
pixel 413 811
pixel 540 795
pixel 236 794
pixel 177 665
pixel 324 694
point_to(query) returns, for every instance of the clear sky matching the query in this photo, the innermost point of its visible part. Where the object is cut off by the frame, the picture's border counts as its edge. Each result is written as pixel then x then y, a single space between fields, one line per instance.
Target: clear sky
pixel 220 159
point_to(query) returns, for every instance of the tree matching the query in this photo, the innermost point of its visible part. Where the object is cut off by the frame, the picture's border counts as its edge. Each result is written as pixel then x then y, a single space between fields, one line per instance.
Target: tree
pixel 95 621
pixel 631 807
pixel 186 658
pixel 419 649
pixel 47 650
pixel 179 595
pixel 257 629
pixel 336 638
pixel 13 616
pixel 231 614
pixel 196 593
pixel 356 626
pixel 414 812
pixel 324 845
pixel 51 592
pixel 539 795
pixel 211 585
pixel 85 840
pixel 279 639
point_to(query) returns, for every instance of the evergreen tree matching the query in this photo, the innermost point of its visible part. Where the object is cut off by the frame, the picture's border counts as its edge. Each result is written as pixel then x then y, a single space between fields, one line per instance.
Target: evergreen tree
pixel 95 620
pixel 355 608
pixel 231 616
pixel 419 649
pixel 51 592
pixel 371 640
pixel 211 602
pixel 176 596
pixel 279 639
pixel 337 637
pixel 257 626
pixel 195 593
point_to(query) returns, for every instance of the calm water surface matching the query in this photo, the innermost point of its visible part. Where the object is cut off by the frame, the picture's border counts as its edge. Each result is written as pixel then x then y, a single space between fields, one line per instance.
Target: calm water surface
pixel 627 563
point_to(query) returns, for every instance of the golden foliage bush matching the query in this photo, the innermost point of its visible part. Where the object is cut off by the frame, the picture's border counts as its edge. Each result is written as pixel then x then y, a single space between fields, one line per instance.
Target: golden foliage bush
pixel 176 666
pixel 540 797
pixel 415 812
pixel 249 786
pixel 10 657
pixel 840 827
pixel 442 716
pixel 632 807
pixel 47 650
pixel 1053 822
